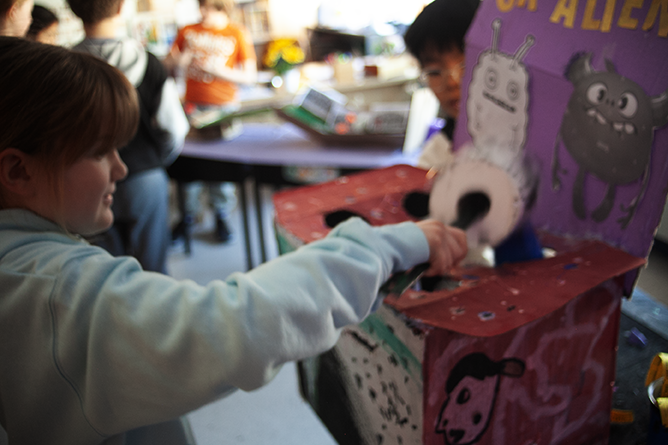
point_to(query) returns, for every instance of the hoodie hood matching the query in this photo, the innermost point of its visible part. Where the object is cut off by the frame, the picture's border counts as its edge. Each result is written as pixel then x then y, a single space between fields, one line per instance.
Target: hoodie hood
pixel 125 54
pixel 19 227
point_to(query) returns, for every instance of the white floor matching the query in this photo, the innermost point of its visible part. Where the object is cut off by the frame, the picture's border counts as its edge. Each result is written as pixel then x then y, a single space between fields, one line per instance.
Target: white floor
pixel 273 415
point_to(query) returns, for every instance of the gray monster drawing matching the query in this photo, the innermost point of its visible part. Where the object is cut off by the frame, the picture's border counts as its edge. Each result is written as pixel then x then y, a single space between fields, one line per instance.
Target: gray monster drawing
pixel 608 128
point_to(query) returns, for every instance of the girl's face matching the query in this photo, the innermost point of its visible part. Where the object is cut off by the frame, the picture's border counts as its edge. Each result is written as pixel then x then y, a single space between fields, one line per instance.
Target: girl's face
pixel 48 35
pixel 89 185
pixel 443 71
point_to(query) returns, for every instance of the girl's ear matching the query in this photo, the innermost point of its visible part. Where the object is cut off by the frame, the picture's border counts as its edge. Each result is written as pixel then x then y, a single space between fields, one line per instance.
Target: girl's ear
pixel 16 172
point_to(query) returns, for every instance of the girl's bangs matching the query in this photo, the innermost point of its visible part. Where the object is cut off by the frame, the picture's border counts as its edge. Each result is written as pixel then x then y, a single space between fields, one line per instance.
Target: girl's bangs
pixel 114 112
pixel 105 115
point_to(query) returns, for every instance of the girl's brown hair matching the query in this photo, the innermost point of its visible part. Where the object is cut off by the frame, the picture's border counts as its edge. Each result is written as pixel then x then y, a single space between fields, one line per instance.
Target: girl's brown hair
pixel 58 105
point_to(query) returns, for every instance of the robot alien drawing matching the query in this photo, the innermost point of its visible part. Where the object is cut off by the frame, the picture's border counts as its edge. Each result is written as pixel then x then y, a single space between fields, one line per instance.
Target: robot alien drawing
pixel 498 97
pixel 607 128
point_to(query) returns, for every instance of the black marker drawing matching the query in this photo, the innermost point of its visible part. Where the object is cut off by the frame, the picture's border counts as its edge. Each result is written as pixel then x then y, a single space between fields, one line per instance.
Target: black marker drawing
pixel 607 128
pixel 472 388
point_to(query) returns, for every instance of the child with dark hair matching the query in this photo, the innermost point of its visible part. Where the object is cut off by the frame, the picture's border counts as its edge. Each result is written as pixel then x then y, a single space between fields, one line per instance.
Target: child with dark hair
pixel 436 39
pixel 44 26
pixel 141 206
pixel 15 17
pixel 96 350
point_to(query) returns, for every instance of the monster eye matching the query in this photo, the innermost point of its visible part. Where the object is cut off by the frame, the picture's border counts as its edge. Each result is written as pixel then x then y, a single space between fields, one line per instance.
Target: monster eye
pixel 491 78
pixel 513 90
pixel 628 105
pixel 463 396
pixel 597 92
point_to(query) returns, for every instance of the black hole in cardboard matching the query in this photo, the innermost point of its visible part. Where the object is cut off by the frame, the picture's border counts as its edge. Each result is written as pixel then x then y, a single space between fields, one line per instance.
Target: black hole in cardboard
pixel 416 204
pixel 334 218
pixel 432 284
pixel 471 208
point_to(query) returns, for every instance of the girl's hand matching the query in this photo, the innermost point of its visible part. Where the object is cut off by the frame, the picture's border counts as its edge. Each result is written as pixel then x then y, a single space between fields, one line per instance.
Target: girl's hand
pixel 447 246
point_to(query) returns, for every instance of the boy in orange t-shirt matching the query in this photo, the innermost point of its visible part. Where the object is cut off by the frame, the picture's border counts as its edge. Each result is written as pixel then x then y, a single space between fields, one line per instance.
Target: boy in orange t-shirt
pixel 216 56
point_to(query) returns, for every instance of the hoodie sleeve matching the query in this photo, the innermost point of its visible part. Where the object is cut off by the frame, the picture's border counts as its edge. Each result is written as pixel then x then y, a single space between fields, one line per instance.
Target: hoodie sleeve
pixel 156 348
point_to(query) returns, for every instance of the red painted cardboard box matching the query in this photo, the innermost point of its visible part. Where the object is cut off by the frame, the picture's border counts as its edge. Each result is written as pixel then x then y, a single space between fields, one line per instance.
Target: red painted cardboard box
pixel 523 353
pixel 564 109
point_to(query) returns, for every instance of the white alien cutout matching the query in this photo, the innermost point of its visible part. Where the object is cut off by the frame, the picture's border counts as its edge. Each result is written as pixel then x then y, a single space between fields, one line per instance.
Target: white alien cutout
pixel 498 97
pixel 497 106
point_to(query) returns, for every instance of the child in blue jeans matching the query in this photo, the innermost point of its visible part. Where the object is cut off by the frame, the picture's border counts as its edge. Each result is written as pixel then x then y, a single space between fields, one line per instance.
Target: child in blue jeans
pixel 96 350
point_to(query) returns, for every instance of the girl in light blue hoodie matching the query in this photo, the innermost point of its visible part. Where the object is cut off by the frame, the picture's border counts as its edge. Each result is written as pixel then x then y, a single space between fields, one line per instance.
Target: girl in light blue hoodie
pixel 95 350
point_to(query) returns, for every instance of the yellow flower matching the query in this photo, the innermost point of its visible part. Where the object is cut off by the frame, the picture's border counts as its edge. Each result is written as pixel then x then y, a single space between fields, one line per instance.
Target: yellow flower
pixel 293 54
pixel 285 50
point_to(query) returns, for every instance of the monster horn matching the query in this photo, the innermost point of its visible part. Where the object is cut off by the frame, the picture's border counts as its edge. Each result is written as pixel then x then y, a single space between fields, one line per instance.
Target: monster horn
pixel 579 67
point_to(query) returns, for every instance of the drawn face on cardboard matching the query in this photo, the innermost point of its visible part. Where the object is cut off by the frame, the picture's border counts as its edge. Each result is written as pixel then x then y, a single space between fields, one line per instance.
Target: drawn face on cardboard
pixel 607 128
pixel 498 97
pixel 467 410
pixel 608 125
pixel 472 387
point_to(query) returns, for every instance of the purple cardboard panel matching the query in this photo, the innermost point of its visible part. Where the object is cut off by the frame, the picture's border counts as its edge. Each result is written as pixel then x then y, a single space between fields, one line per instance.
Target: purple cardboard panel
pixel 529 80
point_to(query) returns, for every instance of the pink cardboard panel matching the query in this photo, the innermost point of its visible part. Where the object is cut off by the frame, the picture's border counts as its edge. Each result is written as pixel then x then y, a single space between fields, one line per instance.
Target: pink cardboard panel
pixel 547 382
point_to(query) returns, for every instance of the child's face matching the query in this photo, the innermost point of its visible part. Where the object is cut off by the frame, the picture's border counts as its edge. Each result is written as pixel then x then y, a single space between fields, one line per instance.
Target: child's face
pixel 213 18
pixel 89 185
pixel 443 71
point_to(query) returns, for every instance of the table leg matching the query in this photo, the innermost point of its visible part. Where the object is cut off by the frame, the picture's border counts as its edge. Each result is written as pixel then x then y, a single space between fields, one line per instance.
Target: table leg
pixel 260 219
pixel 180 194
pixel 244 214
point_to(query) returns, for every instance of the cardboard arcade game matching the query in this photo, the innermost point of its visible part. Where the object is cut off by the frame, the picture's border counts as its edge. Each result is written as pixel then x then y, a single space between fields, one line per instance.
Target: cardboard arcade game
pixel 564 130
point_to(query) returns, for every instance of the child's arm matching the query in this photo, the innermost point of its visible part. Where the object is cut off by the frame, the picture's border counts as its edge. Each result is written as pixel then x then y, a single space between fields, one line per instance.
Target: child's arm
pixel 245 73
pixel 156 348
pixel 177 59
